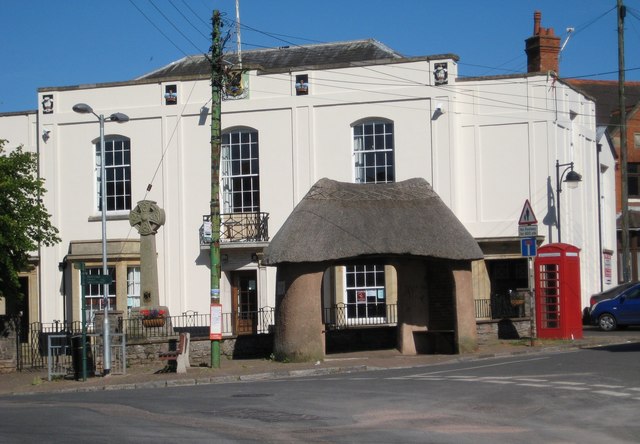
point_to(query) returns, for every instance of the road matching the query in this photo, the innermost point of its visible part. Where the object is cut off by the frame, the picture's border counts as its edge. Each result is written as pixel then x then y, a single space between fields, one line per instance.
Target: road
pixel 585 396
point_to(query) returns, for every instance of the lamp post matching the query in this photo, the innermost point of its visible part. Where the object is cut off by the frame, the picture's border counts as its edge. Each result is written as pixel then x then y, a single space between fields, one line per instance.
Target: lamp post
pixel 572 180
pixel 83 108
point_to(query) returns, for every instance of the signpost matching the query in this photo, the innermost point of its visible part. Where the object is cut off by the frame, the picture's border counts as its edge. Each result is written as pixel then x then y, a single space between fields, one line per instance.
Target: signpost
pixel 528 231
pixel 101 279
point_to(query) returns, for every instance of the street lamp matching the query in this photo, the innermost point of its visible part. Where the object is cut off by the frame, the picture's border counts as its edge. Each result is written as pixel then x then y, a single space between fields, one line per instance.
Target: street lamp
pixel 572 180
pixel 83 108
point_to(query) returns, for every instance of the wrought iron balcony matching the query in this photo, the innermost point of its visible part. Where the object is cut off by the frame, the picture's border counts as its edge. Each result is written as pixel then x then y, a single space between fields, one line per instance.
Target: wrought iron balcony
pixel 237 227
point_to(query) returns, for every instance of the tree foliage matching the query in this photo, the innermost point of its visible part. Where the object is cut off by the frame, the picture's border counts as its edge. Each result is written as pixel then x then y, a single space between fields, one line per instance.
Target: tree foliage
pixel 24 222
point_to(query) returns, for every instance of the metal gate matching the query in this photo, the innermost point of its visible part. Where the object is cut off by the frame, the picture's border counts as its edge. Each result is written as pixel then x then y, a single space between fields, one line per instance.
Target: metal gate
pixel 32 345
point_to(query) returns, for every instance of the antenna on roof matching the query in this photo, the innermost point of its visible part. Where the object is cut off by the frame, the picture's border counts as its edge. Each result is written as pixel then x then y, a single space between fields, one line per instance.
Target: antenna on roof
pixel 238 33
pixel 569 31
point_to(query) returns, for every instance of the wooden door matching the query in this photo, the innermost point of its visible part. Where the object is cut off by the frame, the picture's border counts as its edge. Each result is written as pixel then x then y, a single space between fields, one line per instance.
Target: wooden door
pixel 244 294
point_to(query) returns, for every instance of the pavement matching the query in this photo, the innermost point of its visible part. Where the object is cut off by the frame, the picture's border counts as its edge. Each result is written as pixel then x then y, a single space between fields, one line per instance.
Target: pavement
pixel 235 370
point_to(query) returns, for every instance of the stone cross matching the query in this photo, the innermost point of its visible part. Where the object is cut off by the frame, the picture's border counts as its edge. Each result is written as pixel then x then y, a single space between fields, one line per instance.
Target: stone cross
pixel 147 218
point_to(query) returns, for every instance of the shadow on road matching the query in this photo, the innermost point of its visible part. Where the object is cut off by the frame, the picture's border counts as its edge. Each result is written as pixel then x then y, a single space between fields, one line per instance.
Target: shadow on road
pixel 630 347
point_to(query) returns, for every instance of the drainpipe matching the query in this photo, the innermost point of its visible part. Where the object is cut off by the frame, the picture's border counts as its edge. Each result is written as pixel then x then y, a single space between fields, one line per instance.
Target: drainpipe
pixel 598 151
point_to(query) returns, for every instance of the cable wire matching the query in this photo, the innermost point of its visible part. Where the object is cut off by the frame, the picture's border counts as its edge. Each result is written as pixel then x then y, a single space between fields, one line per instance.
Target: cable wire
pixel 158 29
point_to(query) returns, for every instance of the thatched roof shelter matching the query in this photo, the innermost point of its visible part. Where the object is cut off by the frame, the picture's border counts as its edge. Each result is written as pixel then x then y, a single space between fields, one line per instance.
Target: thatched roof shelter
pixel 338 221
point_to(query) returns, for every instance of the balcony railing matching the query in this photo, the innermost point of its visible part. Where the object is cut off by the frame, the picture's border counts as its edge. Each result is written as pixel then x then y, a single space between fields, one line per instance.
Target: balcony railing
pixel 237 227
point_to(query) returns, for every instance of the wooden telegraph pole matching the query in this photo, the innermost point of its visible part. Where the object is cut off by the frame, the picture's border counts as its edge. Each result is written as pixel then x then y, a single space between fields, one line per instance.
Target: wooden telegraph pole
pixel 624 222
pixel 216 102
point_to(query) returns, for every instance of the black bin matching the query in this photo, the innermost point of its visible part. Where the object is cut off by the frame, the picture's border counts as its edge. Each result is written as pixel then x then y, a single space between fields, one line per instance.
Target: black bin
pixel 76 356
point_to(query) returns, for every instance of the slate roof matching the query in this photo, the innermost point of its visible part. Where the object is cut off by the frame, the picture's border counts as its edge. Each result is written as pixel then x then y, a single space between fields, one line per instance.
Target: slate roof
pixel 338 220
pixel 284 58
pixel 605 93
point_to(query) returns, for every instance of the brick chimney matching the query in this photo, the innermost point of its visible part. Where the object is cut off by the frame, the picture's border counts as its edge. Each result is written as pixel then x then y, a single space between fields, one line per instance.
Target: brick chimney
pixel 542 48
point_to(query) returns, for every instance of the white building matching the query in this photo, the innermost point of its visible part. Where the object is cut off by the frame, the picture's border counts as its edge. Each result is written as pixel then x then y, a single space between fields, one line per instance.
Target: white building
pixel 368 114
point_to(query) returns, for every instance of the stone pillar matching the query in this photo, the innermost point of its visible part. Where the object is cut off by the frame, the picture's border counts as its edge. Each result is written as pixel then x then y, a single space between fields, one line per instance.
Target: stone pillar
pixel 466 331
pixel 299 330
pixel 413 303
pixel 147 218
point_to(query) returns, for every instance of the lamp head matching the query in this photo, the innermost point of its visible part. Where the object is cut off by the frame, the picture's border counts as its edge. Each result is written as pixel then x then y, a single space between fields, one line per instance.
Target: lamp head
pixel 83 108
pixel 119 117
pixel 573 179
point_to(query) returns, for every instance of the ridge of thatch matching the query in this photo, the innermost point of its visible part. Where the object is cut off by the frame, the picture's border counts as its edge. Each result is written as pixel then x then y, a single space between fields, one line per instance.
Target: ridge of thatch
pixel 338 221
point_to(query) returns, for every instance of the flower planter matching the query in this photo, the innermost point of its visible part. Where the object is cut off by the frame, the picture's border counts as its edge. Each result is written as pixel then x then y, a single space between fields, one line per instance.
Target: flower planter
pixel 157 322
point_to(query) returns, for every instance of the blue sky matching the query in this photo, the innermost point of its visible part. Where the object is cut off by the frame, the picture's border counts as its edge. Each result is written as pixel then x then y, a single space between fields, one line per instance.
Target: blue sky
pixel 69 42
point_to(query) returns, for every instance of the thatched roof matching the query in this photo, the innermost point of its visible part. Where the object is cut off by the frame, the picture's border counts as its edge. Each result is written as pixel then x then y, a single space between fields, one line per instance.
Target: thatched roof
pixel 337 220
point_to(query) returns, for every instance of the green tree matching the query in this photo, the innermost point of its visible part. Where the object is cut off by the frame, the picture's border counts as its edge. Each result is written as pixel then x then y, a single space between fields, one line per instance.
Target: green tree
pixel 24 222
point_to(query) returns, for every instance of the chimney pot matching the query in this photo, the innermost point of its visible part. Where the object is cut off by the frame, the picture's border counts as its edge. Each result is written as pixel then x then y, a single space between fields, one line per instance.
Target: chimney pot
pixel 537 16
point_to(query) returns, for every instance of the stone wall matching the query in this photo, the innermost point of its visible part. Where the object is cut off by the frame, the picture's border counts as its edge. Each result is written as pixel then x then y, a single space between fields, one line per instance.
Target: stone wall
pixel 8 358
pixel 489 331
pixel 145 351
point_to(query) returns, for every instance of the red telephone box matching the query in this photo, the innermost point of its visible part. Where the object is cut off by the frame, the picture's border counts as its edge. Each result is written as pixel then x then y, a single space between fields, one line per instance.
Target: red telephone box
pixel 557 276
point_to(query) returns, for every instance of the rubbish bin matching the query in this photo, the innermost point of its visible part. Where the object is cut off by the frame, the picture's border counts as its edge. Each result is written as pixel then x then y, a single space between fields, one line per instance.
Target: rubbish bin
pixel 76 347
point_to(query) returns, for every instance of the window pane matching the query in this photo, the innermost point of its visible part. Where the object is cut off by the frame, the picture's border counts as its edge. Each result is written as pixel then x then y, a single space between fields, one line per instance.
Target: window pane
pixel 240 172
pixel 374 162
pixel 117 174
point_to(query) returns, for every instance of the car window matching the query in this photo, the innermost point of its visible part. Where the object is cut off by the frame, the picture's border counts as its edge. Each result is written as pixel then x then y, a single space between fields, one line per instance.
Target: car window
pixel 612 292
pixel 633 293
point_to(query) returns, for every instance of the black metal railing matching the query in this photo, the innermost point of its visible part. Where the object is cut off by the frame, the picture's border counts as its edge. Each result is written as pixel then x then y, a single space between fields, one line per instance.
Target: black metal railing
pixel 32 352
pixel 233 323
pixel 238 227
pixel 500 307
pixel 340 316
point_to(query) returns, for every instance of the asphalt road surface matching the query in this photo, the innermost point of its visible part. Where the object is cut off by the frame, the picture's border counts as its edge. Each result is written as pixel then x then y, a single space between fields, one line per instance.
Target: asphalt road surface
pixel 578 396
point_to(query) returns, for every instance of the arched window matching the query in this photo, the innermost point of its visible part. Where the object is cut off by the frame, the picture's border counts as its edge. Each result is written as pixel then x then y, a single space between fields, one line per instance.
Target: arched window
pixel 373 151
pixel 240 171
pixel 117 163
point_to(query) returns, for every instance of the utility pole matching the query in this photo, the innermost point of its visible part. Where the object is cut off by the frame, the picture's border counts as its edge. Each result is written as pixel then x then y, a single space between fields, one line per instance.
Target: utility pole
pixel 216 103
pixel 624 223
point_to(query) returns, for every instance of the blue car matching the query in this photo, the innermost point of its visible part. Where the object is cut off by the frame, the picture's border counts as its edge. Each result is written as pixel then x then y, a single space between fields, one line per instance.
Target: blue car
pixel 619 311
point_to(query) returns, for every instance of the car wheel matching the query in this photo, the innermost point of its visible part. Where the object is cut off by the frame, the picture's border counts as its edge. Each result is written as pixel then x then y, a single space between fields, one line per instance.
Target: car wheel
pixel 607 322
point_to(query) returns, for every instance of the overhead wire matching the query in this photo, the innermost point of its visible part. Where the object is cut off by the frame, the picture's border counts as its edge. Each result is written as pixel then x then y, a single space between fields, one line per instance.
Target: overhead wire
pixel 158 28
pixel 173 25
pixel 195 14
pixel 457 89
pixel 189 21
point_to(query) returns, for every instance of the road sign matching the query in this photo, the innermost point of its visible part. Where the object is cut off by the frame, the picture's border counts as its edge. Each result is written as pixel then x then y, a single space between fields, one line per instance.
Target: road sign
pixel 527 217
pixel 101 279
pixel 528 246
pixel 527 230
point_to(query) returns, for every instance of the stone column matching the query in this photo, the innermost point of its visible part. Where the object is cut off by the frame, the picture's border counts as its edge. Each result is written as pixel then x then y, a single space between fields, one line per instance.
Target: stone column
pixel 467 329
pixel 299 331
pixel 147 218
pixel 413 311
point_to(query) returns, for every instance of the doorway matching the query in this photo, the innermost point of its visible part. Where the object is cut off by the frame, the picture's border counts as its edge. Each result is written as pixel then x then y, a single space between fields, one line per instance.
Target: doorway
pixel 244 295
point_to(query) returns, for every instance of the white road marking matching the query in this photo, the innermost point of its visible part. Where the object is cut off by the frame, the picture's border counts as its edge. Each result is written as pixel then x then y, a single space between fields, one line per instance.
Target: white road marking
pixel 533 385
pixel 484 366
pixel 568 383
pixel 610 393
pixel 574 388
pixel 531 380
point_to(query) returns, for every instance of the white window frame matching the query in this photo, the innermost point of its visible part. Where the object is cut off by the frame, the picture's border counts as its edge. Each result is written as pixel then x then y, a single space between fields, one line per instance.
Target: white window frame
pixel 133 287
pixel 240 170
pixel 361 297
pixel 373 149
pixel 119 198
